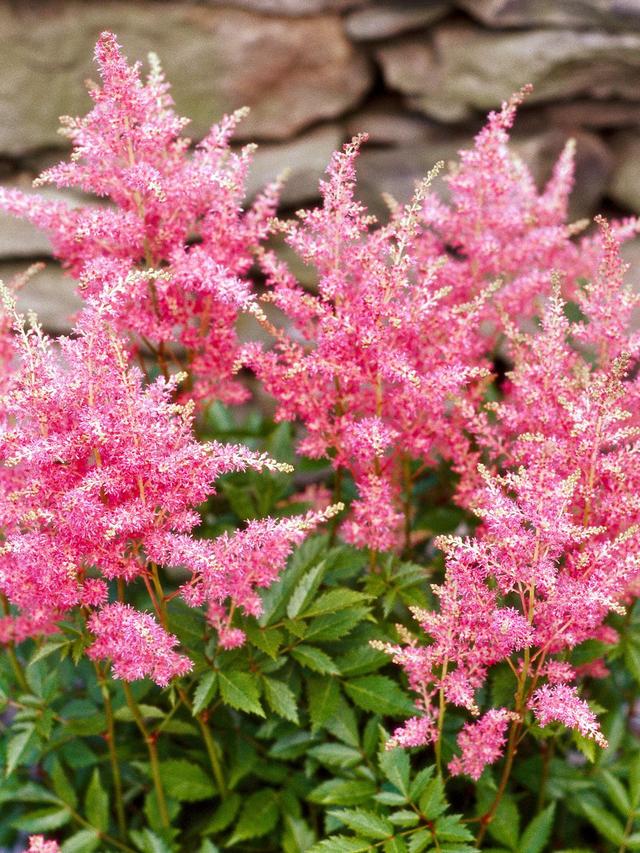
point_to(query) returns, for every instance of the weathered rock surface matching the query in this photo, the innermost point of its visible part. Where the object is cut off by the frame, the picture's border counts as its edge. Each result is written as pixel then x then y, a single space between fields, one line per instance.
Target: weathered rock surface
pixel 305 159
pixel 49 293
pixel 384 18
pixel 291 72
pixel 457 68
pixel 624 187
pixel 293 8
pixel 616 14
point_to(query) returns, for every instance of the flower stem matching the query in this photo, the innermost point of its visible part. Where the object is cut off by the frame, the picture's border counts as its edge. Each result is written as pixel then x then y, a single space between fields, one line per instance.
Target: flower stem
pixel 113 757
pixel 152 748
pixel 210 744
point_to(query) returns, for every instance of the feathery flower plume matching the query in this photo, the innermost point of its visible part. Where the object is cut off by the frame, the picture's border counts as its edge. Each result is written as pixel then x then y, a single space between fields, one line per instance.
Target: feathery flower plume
pixel 170 210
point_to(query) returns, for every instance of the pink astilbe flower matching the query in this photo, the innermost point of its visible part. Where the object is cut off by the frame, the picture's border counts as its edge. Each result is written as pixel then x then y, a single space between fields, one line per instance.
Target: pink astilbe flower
pixel 171 210
pixel 560 531
pixel 376 356
pixel 481 743
pixel 561 703
pixel 499 225
pixel 136 644
pixel 39 844
pixel 102 475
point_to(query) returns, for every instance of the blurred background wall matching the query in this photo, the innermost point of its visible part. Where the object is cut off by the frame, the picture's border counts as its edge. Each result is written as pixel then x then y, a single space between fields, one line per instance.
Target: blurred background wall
pixel 418 76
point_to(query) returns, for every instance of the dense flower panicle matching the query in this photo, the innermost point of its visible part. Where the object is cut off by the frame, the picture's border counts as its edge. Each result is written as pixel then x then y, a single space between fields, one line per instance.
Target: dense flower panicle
pixel 376 356
pixel 102 474
pixel 170 209
pixel 136 644
pixel 481 743
pixel 560 529
pixel 499 225
pixel 561 703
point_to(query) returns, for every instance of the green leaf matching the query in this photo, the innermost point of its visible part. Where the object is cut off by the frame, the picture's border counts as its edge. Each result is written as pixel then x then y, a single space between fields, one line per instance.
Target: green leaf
pixel 536 835
pixel 268 640
pixel 632 659
pixel 341 844
pixel 324 700
pixel 616 793
pixel 432 801
pixel 84 841
pixel 62 786
pixel 604 822
pixel 205 691
pixel 240 691
pixel 334 626
pixel 419 784
pixel 306 589
pixel 505 826
pixel 96 803
pixel 259 816
pixel 280 699
pixel 380 695
pixel 43 820
pixel 47 649
pixel 342 792
pixel 336 755
pixel 148 842
pixel 634 780
pixel 149 712
pixel 18 746
pixel 185 781
pixel 334 600
pixel 450 828
pixel 314 659
pixel 224 815
pixel 364 822
pixel 395 765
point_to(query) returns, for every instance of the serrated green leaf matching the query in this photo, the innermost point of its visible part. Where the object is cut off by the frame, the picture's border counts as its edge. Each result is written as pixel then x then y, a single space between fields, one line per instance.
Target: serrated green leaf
pixel 395 845
pixel 18 747
pixel 342 792
pixel 224 815
pixel 62 786
pixel 450 828
pixel 280 699
pixel 306 589
pixel 205 691
pixel 240 691
pixel 85 841
pixel 380 695
pixel 47 649
pixel 334 626
pixel 341 844
pixel 334 600
pixel 505 825
pixel 148 842
pixel 616 793
pixel 268 640
pixel 314 659
pixel 344 724
pixel 632 659
pixel 634 780
pixel 419 784
pixel 432 800
pixel 259 816
pixel 536 835
pixel 395 765
pixel 336 755
pixel 96 803
pixel 43 820
pixel 185 781
pixel 149 712
pixel 364 822
pixel 324 700
pixel 420 841
pixel 607 825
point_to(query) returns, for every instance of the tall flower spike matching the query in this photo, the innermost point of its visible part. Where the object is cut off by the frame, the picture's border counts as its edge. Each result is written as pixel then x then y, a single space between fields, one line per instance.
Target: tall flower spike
pixel 368 368
pixel 172 210
pixel 103 475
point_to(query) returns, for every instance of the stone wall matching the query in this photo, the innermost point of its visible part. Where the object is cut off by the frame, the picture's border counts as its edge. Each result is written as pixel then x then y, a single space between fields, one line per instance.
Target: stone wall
pixel 418 76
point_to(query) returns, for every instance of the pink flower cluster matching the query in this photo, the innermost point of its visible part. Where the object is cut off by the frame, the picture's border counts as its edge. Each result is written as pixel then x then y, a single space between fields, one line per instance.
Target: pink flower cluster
pixel 560 532
pixel 168 211
pixel 39 844
pixel 100 477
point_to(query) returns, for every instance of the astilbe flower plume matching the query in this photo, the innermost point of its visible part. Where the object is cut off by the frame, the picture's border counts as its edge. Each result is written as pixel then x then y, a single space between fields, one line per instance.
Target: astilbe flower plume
pixel 557 549
pixel 102 475
pixel 39 844
pixel 376 354
pixel 170 209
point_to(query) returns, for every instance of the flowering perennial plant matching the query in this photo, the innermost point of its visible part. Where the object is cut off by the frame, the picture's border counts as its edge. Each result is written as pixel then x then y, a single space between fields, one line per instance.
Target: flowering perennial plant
pixel 187 663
